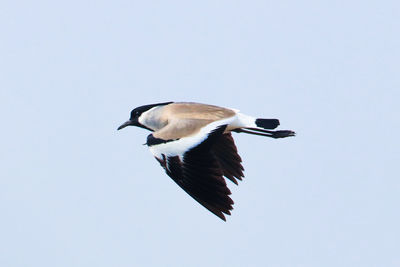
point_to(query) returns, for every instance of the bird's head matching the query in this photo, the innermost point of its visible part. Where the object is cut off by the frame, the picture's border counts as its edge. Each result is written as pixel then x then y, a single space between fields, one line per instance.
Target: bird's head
pixel 136 113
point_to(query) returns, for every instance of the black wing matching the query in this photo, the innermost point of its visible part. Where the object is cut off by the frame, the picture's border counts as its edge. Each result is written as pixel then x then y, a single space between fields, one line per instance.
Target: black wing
pixel 228 158
pixel 200 174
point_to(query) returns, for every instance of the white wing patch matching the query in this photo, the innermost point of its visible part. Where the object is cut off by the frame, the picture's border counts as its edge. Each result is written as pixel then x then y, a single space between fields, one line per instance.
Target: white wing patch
pixel 179 147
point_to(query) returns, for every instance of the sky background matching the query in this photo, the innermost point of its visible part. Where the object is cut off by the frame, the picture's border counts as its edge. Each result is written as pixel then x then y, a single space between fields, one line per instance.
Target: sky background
pixel 75 192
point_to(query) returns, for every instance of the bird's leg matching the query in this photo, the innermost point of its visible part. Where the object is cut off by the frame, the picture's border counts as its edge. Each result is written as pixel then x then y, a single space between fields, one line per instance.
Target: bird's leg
pixel 262 132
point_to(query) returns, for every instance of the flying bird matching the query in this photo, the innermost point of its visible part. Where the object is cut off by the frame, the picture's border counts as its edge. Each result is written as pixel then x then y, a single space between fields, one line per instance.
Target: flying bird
pixel 194 145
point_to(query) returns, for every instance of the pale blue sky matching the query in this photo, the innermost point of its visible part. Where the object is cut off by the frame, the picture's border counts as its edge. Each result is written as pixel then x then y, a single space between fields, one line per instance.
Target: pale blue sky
pixel 75 192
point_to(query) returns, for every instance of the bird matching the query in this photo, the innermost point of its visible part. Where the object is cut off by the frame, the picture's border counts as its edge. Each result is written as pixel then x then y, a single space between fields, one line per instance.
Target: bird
pixel 194 145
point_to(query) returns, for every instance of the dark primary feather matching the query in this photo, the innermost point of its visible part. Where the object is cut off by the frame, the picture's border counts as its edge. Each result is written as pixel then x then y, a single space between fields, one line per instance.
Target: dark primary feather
pixel 225 152
pixel 201 172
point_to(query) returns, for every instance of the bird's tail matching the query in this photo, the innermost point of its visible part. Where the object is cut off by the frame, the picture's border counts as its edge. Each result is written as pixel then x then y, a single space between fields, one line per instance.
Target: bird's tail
pixel 261 125
pixel 267 123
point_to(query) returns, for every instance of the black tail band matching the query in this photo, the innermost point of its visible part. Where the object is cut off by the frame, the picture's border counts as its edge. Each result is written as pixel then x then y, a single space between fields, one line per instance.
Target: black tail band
pixel 267 123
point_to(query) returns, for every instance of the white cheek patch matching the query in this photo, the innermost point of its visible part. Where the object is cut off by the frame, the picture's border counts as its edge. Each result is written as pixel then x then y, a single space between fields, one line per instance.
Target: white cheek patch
pixel 148 118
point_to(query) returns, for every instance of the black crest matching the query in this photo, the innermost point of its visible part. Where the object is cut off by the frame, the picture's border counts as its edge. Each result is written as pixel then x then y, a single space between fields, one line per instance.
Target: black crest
pixel 139 110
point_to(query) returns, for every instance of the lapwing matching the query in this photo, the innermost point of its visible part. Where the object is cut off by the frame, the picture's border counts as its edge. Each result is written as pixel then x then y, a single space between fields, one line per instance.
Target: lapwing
pixel 194 145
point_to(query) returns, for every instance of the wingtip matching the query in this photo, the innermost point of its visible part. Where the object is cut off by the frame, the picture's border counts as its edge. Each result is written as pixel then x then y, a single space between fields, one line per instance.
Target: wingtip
pixel 222 216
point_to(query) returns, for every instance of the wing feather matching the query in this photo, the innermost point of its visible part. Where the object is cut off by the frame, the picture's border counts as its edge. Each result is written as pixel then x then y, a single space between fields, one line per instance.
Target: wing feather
pixel 200 169
pixel 227 156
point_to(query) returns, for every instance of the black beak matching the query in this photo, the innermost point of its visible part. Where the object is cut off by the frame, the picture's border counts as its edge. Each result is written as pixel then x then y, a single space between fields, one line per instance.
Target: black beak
pixel 127 123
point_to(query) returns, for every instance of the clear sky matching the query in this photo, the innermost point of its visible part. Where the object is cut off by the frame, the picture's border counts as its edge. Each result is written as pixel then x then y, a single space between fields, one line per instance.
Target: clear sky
pixel 75 192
